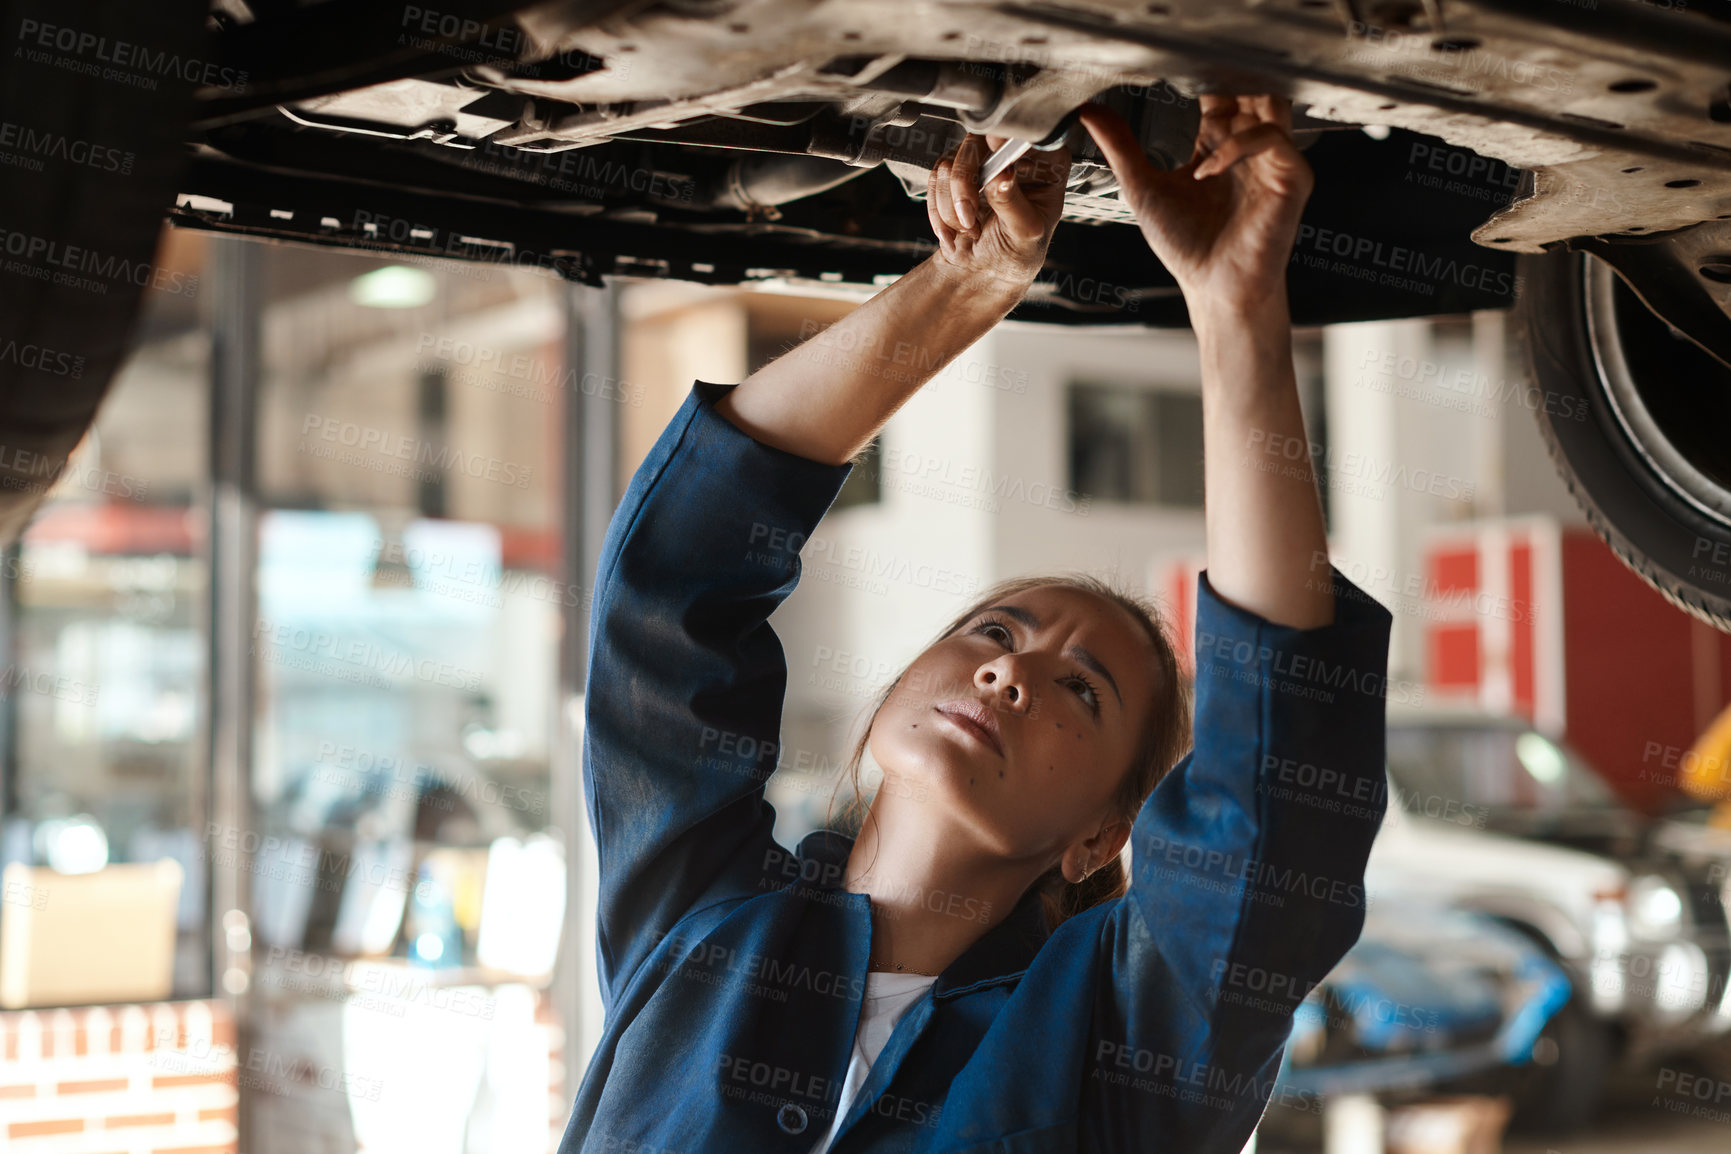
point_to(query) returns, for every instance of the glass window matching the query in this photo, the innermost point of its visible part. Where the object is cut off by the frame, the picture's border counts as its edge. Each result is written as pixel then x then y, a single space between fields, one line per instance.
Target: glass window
pixel 778 324
pixel 1136 445
pixel 408 606
pixel 1496 768
pixel 407 894
pixel 104 691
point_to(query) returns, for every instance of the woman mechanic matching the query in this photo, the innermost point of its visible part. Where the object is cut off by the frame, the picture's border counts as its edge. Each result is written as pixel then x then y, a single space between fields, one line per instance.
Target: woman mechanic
pixel 817 1000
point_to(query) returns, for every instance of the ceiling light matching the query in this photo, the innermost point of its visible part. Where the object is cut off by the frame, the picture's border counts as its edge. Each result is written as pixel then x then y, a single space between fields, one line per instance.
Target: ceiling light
pixel 393 287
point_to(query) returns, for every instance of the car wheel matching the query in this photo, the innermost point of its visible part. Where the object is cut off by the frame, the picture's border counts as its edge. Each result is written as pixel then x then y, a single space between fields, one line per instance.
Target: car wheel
pixel 92 114
pixel 1635 416
pixel 1571 1061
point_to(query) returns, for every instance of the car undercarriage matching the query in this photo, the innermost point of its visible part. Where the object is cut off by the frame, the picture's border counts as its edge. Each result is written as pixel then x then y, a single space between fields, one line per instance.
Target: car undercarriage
pixel 776 135
pixel 1571 161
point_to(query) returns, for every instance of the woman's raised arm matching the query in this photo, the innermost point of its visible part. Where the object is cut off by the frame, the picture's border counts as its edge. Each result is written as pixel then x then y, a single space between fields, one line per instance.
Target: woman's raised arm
pixel 1249 856
pixel 828 397
pixel 1225 231
pixel 683 713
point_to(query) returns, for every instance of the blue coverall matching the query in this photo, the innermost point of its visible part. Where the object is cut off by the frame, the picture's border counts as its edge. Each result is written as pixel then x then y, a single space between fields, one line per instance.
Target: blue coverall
pixel 732 968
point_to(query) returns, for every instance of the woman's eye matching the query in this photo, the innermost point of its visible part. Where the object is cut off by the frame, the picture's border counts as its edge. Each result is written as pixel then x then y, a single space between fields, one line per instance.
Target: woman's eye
pixel 1085 692
pixel 994 630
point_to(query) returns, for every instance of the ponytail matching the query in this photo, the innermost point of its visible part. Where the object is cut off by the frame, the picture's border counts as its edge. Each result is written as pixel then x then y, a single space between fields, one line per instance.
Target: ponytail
pixel 1061 899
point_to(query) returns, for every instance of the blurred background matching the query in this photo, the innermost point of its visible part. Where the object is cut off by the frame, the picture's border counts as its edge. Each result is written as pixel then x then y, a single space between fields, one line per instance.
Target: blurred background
pixel 290 805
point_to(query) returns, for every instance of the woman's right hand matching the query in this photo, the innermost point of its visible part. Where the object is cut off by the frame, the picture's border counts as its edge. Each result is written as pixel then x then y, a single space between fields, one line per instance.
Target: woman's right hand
pixel 1004 230
pixel 1225 222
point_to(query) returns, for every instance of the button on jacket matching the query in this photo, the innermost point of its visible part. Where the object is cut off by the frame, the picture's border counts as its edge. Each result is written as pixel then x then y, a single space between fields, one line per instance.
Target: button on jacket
pixel 732 968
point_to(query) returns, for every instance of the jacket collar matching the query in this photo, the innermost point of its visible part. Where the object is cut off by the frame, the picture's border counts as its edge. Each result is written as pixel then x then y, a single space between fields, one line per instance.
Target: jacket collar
pixel 1002 953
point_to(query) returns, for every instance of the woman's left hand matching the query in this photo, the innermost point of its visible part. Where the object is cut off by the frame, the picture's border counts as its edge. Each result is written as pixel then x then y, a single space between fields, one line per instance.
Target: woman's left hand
pixel 1225 222
pixel 1005 232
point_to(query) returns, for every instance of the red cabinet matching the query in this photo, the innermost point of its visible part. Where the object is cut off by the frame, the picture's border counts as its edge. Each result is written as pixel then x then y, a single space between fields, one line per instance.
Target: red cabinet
pixel 1535 618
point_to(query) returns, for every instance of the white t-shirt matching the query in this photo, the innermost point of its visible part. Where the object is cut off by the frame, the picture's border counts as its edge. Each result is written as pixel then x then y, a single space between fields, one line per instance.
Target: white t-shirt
pixel 887 997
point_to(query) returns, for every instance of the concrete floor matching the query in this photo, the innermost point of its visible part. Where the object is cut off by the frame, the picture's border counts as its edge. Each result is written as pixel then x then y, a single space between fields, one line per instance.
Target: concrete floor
pixel 1635 1134
pixel 1631 1123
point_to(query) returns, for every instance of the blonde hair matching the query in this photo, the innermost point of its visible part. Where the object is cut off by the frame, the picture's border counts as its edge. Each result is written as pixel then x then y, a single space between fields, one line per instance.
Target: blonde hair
pixel 1165 738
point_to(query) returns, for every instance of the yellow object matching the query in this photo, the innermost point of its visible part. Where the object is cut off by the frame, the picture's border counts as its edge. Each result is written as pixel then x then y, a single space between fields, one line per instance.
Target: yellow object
pixel 1705 771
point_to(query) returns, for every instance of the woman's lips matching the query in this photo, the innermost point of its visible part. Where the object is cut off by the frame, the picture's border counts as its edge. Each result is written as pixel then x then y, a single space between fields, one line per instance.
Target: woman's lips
pixel 976 720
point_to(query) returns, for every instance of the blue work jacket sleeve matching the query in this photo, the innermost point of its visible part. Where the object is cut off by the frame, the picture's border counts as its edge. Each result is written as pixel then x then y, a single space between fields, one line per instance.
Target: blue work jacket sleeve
pixel 1248 858
pixel 686 677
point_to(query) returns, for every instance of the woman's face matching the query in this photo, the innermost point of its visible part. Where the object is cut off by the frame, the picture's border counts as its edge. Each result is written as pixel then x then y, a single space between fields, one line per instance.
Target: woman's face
pixel 1023 722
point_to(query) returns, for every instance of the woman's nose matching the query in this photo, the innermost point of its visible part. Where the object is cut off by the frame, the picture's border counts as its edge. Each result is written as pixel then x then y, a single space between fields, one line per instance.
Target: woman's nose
pixel 1006 680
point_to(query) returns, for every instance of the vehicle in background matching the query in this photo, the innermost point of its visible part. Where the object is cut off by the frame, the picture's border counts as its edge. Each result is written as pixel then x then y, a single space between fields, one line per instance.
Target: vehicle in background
pixel 1430 1000
pixel 1640 930
pixel 1510 777
pixel 1517 781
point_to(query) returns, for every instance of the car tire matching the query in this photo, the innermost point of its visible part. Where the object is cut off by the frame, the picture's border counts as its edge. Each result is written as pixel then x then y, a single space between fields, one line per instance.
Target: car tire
pixel 1634 415
pixel 1563 1095
pixel 92 148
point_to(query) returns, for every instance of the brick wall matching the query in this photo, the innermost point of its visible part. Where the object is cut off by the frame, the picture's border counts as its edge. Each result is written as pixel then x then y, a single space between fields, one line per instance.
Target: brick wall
pixel 559 1096
pixel 152 1079
pixel 162 1078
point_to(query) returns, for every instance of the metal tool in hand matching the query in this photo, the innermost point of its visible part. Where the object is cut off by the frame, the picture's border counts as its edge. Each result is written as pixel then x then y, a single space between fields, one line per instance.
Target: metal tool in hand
pixel 1015 148
pixel 1007 154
